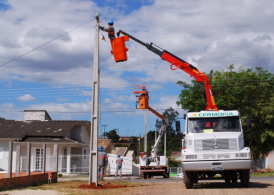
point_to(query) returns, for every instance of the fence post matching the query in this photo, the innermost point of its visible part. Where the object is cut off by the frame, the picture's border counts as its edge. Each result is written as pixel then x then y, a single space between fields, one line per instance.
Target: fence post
pixel 18 162
pixel 56 147
pixel 44 161
pixel 10 161
pixel 28 159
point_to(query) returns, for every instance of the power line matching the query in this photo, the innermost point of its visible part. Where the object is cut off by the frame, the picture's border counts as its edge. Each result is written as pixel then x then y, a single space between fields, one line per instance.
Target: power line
pixel 45 43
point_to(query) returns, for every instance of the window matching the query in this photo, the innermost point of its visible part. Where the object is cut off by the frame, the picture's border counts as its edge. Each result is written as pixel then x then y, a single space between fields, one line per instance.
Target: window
pixel 218 124
pixel 39 159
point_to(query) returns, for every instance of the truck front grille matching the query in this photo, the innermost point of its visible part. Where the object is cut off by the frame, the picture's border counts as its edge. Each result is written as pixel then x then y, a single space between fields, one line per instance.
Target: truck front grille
pixel 216 156
pixel 215 144
pixel 209 156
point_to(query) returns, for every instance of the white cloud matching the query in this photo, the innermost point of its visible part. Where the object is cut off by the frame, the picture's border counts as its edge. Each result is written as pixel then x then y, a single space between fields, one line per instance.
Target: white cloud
pixel 64 107
pixel 26 98
pixel 62 99
pixel 189 31
pixel 8 111
pixel 86 93
pixel 210 35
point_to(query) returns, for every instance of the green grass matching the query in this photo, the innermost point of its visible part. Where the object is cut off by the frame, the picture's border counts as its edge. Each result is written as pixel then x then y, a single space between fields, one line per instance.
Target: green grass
pixel 172 174
pixel 269 174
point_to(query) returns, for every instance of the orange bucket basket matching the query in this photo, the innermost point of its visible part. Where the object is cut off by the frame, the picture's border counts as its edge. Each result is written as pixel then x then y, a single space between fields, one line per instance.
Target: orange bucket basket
pixel 119 49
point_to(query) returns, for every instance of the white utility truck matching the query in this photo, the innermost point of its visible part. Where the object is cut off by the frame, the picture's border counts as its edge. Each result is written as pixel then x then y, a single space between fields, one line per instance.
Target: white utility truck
pixel 214 141
pixel 214 145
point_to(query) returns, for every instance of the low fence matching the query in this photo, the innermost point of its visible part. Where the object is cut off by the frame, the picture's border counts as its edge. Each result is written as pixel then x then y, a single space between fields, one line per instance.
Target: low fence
pixel 175 170
pixel 126 166
pixel 24 180
pixel 79 164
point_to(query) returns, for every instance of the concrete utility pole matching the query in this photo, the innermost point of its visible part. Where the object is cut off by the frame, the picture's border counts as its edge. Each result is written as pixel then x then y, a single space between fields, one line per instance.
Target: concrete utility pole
pixel 93 160
pixel 165 145
pixel 139 149
pixel 145 144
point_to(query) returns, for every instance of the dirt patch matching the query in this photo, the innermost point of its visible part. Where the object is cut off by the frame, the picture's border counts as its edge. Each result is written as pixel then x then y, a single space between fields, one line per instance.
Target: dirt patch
pixel 102 186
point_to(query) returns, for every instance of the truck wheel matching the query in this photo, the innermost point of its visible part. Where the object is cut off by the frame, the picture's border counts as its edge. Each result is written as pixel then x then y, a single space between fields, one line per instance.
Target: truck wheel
pixel 166 174
pixel 245 178
pixel 188 180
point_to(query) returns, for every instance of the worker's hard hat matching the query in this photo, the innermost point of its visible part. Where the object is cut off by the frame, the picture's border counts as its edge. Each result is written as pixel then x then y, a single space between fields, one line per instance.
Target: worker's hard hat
pixel 101 148
pixel 118 155
pixel 110 22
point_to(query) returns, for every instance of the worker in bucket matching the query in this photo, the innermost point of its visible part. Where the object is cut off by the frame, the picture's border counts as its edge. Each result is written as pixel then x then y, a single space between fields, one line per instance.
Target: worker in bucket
pixel 102 161
pixel 119 162
pixel 110 30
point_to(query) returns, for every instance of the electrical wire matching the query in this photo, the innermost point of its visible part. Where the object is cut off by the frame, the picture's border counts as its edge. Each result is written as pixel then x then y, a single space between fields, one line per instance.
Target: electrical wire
pixel 45 43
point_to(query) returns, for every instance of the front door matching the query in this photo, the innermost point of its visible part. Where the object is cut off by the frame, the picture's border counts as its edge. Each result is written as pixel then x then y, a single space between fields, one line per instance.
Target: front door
pixel 39 159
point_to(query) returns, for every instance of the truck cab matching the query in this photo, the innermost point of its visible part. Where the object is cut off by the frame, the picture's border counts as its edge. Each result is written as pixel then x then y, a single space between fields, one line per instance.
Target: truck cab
pixel 214 144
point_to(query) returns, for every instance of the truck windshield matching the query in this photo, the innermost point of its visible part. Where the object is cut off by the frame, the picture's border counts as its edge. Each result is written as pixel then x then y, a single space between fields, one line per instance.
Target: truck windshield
pixel 210 125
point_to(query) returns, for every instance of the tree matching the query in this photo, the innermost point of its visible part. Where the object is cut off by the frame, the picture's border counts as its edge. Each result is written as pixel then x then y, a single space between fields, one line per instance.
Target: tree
pixel 112 134
pixel 174 142
pixel 249 91
pixel 170 114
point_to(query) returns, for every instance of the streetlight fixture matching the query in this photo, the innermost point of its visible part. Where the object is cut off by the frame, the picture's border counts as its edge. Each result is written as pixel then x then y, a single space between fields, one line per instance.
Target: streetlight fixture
pixel 104 128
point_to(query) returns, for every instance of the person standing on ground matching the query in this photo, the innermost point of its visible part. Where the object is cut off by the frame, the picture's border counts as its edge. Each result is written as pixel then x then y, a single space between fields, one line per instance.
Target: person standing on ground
pixel 102 161
pixel 110 30
pixel 119 162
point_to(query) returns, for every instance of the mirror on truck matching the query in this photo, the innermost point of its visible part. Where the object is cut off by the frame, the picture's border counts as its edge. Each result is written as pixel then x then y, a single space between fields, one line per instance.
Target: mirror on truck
pixel 184 143
pixel 178 126
pixel 248 122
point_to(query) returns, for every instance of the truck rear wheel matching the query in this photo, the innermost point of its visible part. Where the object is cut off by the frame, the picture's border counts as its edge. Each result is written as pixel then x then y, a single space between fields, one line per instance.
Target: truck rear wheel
pixel 245 178
pixel 188 180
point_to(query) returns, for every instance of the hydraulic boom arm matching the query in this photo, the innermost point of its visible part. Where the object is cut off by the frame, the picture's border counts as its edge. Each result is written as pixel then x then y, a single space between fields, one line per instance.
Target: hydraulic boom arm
pixel 176 62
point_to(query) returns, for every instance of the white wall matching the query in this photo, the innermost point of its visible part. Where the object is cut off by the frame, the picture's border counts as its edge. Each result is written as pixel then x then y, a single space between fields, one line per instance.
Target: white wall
pixel 126 166
pixel 49 158
pixel 4 156
pixel 35 115
pixel 81 134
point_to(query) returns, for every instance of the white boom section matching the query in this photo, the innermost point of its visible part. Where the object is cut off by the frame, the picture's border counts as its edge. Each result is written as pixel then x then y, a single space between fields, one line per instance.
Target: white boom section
pixel 155 148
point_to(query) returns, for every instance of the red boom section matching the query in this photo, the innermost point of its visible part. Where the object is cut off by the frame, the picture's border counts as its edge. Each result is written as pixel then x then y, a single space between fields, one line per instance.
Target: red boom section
pixel 200 77
pixel 119 51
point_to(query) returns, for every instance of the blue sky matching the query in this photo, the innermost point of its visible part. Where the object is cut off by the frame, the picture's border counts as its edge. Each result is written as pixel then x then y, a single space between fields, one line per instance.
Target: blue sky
pixel 57 77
